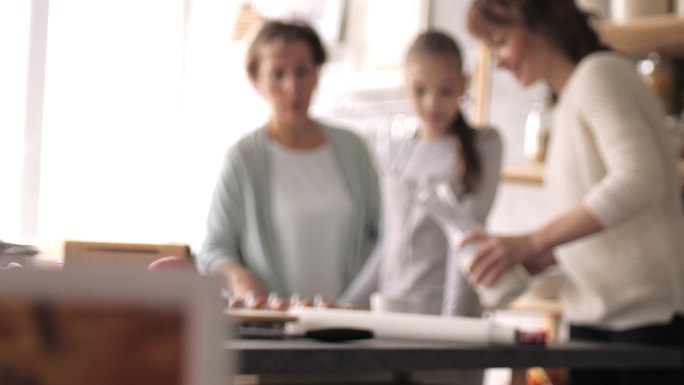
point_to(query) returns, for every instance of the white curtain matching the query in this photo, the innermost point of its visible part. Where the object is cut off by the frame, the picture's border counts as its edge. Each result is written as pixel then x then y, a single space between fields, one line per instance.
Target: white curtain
pixel 14 29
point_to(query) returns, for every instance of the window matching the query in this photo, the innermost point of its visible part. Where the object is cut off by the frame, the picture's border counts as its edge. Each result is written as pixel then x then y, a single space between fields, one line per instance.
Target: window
pixel 111 118
pixel 14 38
pixel 142 98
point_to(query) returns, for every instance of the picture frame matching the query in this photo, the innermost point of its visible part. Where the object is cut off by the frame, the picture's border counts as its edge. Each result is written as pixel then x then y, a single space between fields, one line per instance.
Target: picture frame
pixel 377 37
pixel 326 16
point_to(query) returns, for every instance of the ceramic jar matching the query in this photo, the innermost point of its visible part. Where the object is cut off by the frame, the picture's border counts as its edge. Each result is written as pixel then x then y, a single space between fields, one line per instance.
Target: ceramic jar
pixel 624 10
pixel 679 7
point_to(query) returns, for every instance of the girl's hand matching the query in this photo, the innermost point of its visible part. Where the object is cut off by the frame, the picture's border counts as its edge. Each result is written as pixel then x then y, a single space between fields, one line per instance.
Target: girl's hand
pixel 498 254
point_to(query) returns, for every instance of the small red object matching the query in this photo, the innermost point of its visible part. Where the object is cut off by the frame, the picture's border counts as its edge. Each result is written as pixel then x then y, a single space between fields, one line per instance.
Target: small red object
pixel 537 338
pixel 169 263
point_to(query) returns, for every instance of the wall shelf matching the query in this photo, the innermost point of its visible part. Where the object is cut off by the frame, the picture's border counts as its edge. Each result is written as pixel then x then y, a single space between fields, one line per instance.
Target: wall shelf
pixel 533 173
pixel 660 32
pixel 529 173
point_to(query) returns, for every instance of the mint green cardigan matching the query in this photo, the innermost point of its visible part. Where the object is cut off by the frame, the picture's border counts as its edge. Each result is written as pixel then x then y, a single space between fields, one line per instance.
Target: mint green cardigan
pixel 240 225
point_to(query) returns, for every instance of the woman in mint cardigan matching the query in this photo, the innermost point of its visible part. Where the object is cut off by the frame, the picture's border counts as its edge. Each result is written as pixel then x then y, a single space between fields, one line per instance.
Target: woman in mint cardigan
pixel 296 206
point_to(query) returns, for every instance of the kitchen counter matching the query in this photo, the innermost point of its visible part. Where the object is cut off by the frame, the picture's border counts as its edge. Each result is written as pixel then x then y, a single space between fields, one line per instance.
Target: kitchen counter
pixel 272 357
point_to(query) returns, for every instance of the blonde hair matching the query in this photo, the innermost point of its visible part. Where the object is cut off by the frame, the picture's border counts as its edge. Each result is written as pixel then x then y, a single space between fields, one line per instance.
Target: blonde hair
pixel 435 43
pixel 439 43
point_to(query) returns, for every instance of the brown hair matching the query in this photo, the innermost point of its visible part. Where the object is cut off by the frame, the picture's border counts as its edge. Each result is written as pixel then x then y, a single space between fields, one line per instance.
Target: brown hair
pixel 439 43
pixel 279 31
pixel 565 25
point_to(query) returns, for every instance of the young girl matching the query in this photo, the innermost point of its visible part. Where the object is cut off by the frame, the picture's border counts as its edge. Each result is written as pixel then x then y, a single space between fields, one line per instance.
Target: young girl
pixel 410 265
pixel 409 269
pixel 612 184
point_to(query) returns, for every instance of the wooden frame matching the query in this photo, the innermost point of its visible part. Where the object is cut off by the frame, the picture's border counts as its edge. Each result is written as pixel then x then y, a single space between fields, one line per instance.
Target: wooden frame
pixel 377 39
pixel 137 254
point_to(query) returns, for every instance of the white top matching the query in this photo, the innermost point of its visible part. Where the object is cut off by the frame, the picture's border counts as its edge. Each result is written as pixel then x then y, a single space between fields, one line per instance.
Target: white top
pixel 416 255
pixel 414 262
pixel 311 218
pixel 610 152
pixel 414 247
pixel 428 158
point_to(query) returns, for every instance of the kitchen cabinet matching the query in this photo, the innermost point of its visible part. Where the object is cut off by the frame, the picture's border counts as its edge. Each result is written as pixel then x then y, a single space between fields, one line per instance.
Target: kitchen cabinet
pixel 533 173
pixel 528 173
pixel 660 32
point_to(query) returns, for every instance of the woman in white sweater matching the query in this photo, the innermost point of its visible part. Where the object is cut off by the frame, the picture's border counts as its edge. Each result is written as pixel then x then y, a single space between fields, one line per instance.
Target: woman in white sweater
pixel 611 179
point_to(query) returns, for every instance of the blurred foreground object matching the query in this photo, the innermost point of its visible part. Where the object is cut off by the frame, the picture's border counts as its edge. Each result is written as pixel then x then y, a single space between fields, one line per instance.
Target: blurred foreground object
pixel 17 251
pixel 109 326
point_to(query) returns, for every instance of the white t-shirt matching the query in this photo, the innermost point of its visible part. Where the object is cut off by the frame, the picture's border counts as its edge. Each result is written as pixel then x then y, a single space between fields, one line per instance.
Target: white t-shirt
pixel 311 217
pixel 423 159
pixel 415 251
pixel 412 262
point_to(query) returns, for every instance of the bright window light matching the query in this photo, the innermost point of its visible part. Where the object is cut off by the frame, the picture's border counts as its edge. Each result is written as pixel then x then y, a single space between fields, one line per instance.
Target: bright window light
pixel 14 30
pixel 140 107
pixel 111 132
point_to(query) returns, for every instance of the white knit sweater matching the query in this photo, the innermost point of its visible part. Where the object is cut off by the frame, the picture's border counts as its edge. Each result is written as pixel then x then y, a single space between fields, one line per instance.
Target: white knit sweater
pixel 611 153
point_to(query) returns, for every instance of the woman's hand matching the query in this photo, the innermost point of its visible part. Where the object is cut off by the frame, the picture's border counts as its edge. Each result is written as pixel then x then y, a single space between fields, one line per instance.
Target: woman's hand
pixel 537 265
pixel 498 254
pixel 242 284
pixel 534 251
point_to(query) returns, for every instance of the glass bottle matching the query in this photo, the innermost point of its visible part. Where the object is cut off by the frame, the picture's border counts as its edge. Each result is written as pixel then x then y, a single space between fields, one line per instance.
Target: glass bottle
pixel 656 69
pixel 537 129
pixel 443 206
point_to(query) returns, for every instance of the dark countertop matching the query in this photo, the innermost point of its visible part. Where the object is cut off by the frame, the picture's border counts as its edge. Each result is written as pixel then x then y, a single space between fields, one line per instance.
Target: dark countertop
pixel 306 356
